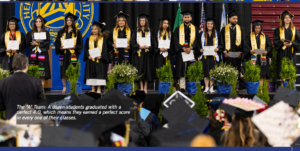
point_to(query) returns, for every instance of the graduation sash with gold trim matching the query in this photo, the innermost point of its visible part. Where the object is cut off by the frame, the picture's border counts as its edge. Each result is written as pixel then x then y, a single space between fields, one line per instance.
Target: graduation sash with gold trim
pixel 262 46
pixel 282 36
pixel 115 37
pixel 139 35
pixel 72 51
pixel 182 35
pixel 92 44
pixel 7 38
pixel 238 40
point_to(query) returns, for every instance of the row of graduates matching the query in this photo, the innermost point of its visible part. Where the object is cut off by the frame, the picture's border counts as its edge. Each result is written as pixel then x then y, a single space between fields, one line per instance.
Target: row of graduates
pixel 184 39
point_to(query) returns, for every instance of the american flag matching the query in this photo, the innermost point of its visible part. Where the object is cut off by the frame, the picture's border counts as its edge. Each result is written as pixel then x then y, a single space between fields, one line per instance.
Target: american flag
pixel 202 21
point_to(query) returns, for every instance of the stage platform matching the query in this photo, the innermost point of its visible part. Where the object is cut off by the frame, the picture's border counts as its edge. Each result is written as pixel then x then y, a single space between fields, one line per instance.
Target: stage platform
pixel 153 101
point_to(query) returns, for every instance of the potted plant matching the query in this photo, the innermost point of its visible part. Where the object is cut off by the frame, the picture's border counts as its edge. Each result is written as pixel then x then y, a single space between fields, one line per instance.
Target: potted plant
pixel 165 77
pixel 252 75
pixel 273 72
pixel 226 75
pixel 194 75
pixel 73 73
pixel 200 101
pixel 3 74
pixel 123 75
pixel 288 71
pixel 263 92
pixel 33 70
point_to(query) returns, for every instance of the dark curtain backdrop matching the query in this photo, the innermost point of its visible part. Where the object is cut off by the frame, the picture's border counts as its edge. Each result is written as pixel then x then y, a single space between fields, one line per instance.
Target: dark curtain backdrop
pixel 107 11
pixel 6 10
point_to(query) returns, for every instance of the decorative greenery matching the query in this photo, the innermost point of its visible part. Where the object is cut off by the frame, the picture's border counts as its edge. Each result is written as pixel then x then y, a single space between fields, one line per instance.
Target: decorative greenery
pixel 224 73
pixel 200 101
pixel 165 74
pixel 252 72
pixel 273 66
pixel 195 72
pixel 33 70
pixel 73 73
pixel 122 73
pixel 288 71
pixel 233 90
pixel 263 92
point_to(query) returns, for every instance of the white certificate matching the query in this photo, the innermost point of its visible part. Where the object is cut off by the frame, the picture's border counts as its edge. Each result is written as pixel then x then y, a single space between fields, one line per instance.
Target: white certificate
pixel 12 45
pixel 259 51
pixel 145 42
pixel 164 44
pixel 41 35
pixel 121 43
pixel 68 43
pixel 187 57
pixel 234 54
pixel 94 53
pixel 209 50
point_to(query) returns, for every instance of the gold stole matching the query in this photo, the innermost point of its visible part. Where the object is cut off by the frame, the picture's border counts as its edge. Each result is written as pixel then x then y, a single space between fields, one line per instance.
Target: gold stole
pixel 182 35
pixel 282 36
pixel 18 38
pixel 73 37
pixel 213 45
pixel 238 40
pixel 99 44
pixel 140 36
pixel 116 35
pixel 262 42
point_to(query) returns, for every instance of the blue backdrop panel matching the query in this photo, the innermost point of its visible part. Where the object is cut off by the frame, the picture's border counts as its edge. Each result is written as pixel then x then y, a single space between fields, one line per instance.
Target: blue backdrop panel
pixel 55 14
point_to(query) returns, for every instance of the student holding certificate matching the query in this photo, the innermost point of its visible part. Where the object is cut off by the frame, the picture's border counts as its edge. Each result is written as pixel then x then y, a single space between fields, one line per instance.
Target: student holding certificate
pixel 286 32
pixel 258 40
pixel 38 41
pixel 96 63
pixel 143 46
pixel 164 39
pixel 211 46
pixel 119 40
pixel 11 42
pixel 68 45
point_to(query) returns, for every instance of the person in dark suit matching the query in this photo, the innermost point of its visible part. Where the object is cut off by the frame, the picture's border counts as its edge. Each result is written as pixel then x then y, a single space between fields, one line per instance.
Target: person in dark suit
pixel 19 88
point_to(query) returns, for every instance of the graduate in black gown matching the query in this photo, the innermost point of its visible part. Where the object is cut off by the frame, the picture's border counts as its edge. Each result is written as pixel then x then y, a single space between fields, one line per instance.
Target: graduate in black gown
pixel 120 31
pixel 162 55
pixel 261 41
pixel 186 44
pixel 96 68
pixel 12 33
pixel 233 37
pixel 211 37
pixel 286 31
pixel 143 56
pixel 70 55
pixel 39 48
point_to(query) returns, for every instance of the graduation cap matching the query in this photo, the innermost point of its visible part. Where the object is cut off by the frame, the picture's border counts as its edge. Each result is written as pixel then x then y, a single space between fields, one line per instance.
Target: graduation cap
pixel 216 102
pixel 121 14
pixel 139 96
pixel 284 13
pixel 227 108
pixel 165 18
pixel 211 19
pixel 101 25
pixel 257 22
pixel 258 100
pixel 45 21
pixel 13 19
pixel 231 13
pixel 178 96
pixel 187 12
pixel 70 15
pixel 65 137
pixel 287 95
pixel 143 15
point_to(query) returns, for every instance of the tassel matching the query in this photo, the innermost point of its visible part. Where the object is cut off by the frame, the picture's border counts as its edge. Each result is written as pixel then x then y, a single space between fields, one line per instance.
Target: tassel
pixel 65 51
pixel 93 59
pixel 97 60
pixel 139 53
pixel 205 57
pixel 166 60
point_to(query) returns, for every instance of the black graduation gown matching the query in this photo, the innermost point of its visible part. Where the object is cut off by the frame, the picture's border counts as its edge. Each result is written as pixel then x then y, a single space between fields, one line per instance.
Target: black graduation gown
pixel 235 62
pixel 94 70
pixel 264 70
pixel 209 62
pixel 64 64
pixel 159 58
pixel 4 58
pixel 118 58
pixel 288 51
pixel 144 63
pixel 44 46
pixel 177 50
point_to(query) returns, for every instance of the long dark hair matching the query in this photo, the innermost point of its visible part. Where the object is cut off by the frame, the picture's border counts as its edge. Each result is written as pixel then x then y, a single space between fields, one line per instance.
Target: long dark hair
pixel 74 29
pixel 34 28
pixel 126 23
pixel 213 30
pixel 214 125
pixel 146 26
pixel 161 28
pixel 282 21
